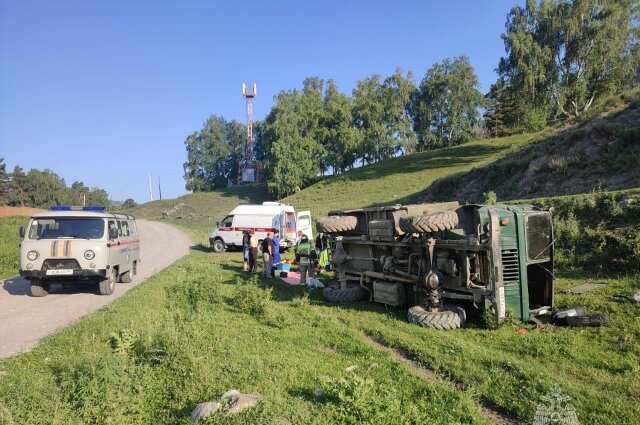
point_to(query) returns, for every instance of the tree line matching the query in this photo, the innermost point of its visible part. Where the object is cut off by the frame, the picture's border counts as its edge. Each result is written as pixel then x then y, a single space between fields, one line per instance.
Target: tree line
pixel 560 57
pixel 41 189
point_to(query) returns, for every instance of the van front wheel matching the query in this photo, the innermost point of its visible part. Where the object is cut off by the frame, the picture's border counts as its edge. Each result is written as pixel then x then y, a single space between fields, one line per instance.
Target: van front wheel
pixel 39 289
pixel 218 246
pixel 108 285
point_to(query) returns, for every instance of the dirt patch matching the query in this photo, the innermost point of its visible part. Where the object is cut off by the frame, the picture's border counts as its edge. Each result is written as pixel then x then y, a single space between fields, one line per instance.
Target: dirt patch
pixel 20 211
pixel 403 356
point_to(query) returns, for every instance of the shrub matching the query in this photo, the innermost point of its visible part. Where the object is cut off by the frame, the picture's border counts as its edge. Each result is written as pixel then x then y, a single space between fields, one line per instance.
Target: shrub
pixel 194 293
pixel 250 298
pixel 490 198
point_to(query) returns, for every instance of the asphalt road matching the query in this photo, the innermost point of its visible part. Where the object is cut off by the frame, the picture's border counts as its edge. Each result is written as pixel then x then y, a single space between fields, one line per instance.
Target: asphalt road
pixel 24 320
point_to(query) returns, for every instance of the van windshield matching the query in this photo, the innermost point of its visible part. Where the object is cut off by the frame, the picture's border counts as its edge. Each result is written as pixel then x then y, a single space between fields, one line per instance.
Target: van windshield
pixel 79 228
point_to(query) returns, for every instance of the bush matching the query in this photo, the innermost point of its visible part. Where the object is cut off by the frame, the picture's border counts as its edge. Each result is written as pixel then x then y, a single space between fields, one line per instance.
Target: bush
pixel 250 298
pixel 198 291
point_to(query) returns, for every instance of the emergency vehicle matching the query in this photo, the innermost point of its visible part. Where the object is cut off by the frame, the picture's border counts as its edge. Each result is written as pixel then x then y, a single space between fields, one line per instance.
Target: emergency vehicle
pixel 263 218
pixel 69 244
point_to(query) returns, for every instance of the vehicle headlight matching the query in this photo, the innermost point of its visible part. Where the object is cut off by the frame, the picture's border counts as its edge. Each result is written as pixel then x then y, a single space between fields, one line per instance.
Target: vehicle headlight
pixel 32 255
pixel 89 255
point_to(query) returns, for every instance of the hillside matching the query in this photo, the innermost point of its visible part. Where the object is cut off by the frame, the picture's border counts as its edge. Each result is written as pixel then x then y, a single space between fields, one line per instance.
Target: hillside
pixel 395 181
pixel 599 154
pixel 197 213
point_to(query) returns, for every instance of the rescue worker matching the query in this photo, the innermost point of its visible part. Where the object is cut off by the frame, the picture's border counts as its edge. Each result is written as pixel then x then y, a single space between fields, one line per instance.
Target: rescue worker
pixel 304 252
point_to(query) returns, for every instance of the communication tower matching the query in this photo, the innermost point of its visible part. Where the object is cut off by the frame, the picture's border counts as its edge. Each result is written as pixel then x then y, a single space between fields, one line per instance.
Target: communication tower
pixel 249 170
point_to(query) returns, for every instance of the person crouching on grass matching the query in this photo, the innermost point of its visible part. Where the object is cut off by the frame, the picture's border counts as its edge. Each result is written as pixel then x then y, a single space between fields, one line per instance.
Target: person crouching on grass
pixel 304 252
pixel 267 255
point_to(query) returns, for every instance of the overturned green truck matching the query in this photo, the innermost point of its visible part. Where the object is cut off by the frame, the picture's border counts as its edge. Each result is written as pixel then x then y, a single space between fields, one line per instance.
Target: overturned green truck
pixel 439 263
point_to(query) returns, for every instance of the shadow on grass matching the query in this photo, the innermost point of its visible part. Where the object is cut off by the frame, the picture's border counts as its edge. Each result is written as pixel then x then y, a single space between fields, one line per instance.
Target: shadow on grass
pixel 309 394
pixel 201 247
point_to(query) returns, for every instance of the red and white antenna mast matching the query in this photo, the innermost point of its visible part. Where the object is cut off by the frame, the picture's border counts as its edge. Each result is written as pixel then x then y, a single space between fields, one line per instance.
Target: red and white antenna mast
pixel 248 168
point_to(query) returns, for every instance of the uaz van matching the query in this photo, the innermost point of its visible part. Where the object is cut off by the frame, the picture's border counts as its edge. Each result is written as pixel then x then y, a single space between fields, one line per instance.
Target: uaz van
pixel 79 244
pixel 263 218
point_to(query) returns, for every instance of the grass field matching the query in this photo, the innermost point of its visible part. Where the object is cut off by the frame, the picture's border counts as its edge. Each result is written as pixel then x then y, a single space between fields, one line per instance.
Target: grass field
pixel 200 328
pixel 10 245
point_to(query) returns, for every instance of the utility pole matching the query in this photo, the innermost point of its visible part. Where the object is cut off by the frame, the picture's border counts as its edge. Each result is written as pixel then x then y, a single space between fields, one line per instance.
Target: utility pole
pixel 159 188
pixel 150 189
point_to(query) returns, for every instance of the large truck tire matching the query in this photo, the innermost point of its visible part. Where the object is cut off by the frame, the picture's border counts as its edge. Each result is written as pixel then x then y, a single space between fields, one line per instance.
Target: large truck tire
pixel 337 223
pixel 108 286
pixel 406 224
pixel 39 289
pixel 435 221
pixel 452 317
pixel 588 320
pixel 334 294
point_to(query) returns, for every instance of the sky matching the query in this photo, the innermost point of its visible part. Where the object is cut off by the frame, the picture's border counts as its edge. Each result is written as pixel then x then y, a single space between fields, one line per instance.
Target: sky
pixel 106 92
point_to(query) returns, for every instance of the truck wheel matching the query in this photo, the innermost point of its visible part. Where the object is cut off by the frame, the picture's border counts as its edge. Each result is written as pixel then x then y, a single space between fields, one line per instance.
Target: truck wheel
pixel 431 222
pixel 452 317
pixel 39 289
pixel 337 223
pixel 108 285
pixel 590 320
pixel 334 294
pixel 218 246
pixel 406 224
pixel 126 277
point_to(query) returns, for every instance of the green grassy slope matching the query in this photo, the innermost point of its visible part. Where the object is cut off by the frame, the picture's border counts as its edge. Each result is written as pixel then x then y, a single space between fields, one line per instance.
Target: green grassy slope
pixel 197 213
pixel 599 154
pixel 401 180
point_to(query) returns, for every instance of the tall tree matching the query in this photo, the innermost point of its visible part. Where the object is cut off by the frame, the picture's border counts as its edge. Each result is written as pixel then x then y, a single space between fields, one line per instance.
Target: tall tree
pixel 340 138
pixel 368 118
pixel 291 147
pixel 5 180
pixel 561 54
pixel 445 107
pixel 397 91
pixel 212 154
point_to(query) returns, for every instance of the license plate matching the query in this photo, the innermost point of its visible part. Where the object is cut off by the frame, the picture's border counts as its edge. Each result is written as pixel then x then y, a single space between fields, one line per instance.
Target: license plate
pixel 59 272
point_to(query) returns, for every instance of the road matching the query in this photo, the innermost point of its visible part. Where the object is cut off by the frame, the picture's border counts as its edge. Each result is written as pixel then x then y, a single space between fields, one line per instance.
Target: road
pixel 24 320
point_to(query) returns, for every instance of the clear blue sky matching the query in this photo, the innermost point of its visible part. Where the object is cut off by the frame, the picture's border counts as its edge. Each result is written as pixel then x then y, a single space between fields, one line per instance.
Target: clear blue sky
pixel 105 92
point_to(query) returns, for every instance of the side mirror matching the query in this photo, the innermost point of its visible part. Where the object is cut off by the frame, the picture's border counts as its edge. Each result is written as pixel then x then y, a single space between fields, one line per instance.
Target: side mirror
pixel 113 233
pixel 22 232
pixel 217 224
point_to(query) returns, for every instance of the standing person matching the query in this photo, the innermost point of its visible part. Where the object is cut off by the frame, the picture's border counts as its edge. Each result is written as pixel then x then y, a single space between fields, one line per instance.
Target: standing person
pixel 253 251
pixel 245 249
pixel 299 236
pixel 267 255
pixel 304 251
pixel 276 247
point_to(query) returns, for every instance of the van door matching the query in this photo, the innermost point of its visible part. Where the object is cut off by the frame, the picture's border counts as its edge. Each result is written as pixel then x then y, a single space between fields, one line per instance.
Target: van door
pixel 230 229
pixel 304 223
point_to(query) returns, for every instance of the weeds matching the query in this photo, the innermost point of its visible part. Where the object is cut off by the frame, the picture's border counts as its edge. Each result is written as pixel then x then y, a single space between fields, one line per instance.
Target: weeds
pixel 248 297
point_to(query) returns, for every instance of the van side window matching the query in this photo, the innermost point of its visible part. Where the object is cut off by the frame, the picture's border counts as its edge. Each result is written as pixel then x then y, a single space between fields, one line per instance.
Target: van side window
pixel 132 228
pixel 227 221
pixel 125 228
pixel 112 225
pixel 119 229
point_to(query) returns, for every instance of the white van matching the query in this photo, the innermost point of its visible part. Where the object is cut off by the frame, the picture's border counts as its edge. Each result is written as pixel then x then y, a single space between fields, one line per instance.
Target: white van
pixel 263 218
pixel 79 244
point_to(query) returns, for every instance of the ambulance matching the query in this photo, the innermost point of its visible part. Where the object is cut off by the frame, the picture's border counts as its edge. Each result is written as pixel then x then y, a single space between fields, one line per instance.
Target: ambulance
pixel 263 218
pixel 70 244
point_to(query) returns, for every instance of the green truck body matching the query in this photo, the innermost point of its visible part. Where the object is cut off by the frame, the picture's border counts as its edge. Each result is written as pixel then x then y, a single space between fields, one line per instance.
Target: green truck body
pixel 477 256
